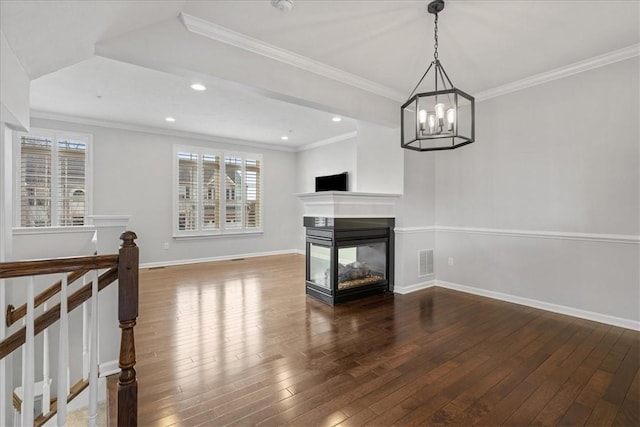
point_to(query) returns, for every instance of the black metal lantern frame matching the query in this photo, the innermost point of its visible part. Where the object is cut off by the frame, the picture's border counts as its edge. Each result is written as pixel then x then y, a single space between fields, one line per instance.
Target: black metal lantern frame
pixel 441 119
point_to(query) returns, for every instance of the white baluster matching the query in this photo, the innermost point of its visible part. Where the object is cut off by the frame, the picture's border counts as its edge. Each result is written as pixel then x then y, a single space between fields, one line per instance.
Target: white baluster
pixel 4 373
pixel 24 371
pixel 46 375
pixel 63 356
pixel 86 320
pixel 93 353
pixel 85 339
pixel 28 365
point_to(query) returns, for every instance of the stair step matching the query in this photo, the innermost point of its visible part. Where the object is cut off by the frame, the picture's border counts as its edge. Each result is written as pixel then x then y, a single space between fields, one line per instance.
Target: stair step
pixel 79 416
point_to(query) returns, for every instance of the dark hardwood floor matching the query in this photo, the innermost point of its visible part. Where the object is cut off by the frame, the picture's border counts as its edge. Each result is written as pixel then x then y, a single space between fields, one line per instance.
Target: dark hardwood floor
pixel 239 343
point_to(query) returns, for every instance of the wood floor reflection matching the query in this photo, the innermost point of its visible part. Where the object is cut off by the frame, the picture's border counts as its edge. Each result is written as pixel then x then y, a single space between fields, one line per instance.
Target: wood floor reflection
pixel 239 343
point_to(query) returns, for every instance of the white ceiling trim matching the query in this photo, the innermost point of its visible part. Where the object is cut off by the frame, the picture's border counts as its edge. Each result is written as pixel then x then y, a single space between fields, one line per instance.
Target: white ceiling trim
pixel 158 131
pixel 562 72
pixel 332 140
pixel 242 41
pixel 234 38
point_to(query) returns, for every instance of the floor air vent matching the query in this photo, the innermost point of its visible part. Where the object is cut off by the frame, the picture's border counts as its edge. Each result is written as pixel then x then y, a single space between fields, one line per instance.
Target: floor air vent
pixel 425 262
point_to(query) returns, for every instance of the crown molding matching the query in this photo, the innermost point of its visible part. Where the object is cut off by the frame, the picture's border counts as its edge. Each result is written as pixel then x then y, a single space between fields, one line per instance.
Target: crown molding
pixel 234 38
pixel 562 72
pixel 225 35
pixel 154 130
pixel 45 115
pixel 328 141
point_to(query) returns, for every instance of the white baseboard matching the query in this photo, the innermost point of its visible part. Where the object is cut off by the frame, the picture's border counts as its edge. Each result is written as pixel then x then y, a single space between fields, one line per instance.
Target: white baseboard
pixel 218 258
pixel 108 368
pixel 407 289
pixel 561 309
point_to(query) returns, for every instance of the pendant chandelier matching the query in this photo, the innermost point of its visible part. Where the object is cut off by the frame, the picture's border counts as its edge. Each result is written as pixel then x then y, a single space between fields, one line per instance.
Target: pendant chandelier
pixel 443 118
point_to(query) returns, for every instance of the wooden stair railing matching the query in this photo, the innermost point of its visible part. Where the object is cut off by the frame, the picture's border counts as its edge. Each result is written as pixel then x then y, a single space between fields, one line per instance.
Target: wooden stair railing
pixel 123 267
pixel 15 314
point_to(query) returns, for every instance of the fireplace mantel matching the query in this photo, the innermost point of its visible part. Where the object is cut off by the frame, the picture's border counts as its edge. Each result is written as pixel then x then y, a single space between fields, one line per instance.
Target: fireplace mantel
pixel 347 204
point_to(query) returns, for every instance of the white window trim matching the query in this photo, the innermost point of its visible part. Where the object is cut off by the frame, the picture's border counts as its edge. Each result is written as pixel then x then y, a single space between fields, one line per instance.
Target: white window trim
pixel 222 231
pixel 54 134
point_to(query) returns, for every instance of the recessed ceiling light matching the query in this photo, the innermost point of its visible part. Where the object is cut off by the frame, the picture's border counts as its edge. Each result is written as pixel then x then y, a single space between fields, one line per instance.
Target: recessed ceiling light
pixel 198 87
pixel 170 119
pixel 284 138
pixel 337 119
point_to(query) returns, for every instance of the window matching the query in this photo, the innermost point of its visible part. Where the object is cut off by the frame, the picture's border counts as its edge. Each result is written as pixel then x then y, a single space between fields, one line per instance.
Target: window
pixel 216 192
pixel 52 181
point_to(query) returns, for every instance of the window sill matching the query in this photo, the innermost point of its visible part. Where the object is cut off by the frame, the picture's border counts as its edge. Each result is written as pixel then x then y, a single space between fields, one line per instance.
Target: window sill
pixel 232 234
pixel 17 231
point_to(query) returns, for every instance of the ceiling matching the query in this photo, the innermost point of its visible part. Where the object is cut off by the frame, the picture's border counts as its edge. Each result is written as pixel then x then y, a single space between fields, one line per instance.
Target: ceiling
pixel 483 45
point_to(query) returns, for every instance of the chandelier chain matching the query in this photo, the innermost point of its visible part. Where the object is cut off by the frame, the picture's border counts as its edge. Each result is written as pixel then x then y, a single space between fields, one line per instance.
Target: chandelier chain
pixel 435 37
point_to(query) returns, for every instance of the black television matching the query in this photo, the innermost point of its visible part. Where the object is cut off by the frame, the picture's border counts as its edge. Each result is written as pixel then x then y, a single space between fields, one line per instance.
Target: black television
pixel 339 182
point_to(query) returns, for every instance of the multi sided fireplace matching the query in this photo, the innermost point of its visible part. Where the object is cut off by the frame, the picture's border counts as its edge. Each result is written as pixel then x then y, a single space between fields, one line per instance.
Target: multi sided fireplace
pixel 348 258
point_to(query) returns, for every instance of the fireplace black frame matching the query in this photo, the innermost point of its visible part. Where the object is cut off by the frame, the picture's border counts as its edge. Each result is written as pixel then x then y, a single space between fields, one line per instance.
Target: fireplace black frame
pixel 335 233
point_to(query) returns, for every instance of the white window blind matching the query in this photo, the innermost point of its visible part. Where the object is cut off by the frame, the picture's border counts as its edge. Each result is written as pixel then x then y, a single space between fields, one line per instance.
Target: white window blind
pixel 252 185
pixel 53 185
pixel 72 199
pixel 188 191
pixel 233 192
pixel 35 176
pixel 217 193
pixel 210 184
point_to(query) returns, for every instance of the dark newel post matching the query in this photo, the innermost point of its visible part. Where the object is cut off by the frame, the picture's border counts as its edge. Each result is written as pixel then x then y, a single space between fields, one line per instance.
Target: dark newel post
pixel 127 314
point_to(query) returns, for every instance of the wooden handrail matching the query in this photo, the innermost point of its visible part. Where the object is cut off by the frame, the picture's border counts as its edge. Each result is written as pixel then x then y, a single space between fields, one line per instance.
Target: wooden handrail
pixel 15 340
pixel 123 267
pixel 15 314
pixel 9 270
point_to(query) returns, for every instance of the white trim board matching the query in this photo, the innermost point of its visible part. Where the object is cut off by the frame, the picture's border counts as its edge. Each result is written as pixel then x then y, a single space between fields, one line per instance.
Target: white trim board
pixel 542 305
pixel 46 115
pixel 108 368
pixel 328 141
pixel 560 235
pixel 226 35
pixel 218 258
pixel 562 72
pixel 414 230
pixel 403 290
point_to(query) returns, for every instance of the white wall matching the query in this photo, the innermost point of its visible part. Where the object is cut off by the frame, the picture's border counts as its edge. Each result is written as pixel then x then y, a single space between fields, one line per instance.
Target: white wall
pixel 133 176
pixel 379 159
pixel 559 157
pixel 328 159
pixel 373 159
pixel 377 150
pixel 416 219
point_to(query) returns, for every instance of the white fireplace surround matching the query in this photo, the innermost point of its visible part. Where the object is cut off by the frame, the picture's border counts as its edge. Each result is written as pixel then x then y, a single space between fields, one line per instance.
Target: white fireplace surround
pixel 346 204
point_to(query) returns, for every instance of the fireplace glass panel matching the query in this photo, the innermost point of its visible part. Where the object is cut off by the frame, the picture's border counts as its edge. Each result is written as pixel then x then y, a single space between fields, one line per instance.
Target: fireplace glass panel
pixel 362 265
pixel 319 265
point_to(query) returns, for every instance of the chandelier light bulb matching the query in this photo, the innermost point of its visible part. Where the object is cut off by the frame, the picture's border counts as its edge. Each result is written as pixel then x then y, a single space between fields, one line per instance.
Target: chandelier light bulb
pixel 432 122
pixel 451 117
pixel 422 118
pixel 440 111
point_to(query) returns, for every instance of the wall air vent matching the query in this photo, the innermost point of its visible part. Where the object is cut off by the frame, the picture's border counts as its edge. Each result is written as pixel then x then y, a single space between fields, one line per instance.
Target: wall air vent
pixel 425 262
